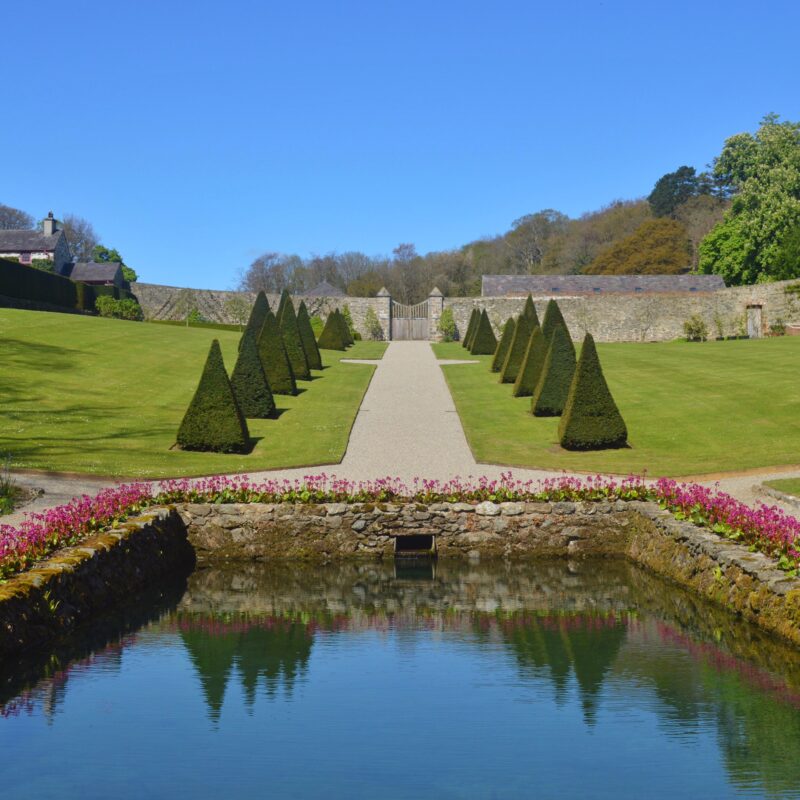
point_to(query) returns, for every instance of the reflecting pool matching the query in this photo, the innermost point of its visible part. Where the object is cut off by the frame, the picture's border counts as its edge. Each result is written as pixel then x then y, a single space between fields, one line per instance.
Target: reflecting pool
pixel 374 681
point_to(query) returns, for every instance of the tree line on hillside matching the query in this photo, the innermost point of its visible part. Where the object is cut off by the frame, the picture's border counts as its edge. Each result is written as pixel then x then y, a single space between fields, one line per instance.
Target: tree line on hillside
pixel 739 219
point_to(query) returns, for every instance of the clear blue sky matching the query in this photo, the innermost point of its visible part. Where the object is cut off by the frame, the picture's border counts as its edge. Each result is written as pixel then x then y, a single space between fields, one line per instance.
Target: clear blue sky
pixel 196 135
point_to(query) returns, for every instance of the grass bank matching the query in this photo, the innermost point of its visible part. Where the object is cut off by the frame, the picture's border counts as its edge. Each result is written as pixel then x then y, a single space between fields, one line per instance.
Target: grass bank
pixel 86 394
pixel 691 409
pixel 786 485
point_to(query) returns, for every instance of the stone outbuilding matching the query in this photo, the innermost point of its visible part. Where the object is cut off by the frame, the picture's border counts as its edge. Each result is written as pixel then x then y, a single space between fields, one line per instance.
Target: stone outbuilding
pixel 48 244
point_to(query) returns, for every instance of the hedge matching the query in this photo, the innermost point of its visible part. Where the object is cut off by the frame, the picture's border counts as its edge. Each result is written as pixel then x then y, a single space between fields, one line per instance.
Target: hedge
pixel 274 359
pixel 502 346
pixel 214 420
pixel 292 340
pixel 307 335
pixel 249 382
pixel 517 349
pixel 258 314
pixel 484 342
pixel 347 337
pixel 591 419
pixel 473 321
pixel 331 336
pixel 552 390
pixel 532 365
pixel 552 317
pixel 529 310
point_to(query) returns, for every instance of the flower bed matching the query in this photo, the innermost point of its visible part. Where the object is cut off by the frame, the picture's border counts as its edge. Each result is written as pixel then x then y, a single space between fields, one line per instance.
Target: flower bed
pixel 764 528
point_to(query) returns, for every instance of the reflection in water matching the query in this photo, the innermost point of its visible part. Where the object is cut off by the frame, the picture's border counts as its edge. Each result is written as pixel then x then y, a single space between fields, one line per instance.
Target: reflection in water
pixel 715 703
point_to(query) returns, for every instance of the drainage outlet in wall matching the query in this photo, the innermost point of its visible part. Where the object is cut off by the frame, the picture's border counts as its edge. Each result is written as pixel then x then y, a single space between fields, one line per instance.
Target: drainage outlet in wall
pixel 415 546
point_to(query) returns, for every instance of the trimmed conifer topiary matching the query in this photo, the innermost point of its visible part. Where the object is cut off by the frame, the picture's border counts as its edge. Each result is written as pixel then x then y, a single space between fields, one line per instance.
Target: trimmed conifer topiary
pixel 517 349
pixel 258 313
pixel 250 385
pixel 473 321
pixel 552 317
pixel 331 336
pixel 591 419
pixel 551 392
pixel 347 337
pixel 293 342
pixel 484 342
pixel 503 345
pixel 532 364
pixel 529 310
pixel 274 360
pixel 214 420
pixel 281 304
pixel 307 335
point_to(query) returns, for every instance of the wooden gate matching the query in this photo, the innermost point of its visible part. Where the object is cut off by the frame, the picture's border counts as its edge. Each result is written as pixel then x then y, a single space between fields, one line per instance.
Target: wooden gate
pixel 410 322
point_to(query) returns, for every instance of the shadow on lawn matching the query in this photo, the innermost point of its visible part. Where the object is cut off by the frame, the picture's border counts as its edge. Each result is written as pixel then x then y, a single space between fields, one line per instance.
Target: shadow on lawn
pixel 16 352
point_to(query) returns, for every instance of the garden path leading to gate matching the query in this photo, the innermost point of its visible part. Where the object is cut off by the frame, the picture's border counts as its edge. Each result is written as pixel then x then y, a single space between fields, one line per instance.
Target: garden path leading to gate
pixel 407 427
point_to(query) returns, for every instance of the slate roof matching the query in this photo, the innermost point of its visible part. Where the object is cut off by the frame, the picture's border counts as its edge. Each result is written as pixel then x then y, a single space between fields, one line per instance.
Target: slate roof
pixel 325 289
pixel 521 285
pixel 23 241
pixel 88 271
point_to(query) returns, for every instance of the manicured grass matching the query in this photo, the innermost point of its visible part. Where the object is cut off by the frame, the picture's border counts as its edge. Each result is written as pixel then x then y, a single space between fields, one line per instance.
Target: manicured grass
pixel 785 485
pixel 84 394
pixel 690 409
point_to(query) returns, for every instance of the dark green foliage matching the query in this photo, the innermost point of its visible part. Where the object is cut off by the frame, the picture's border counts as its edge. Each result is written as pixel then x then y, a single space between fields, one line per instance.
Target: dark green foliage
pixel 258 313
pixel 347 337
pixel 214 420
pixel 673 189
pixel 484 342
pixel 474 330
pixel 282 304
pixel 293 342
pixel 331 336
pixel 473 321
pixel 591 419
pixel 551 392
pixel 503 345
pixel 529 310
pixel 273 356
pixel 532 364
pixel 552 317
pixel 250 384
pixel 517 349
pixel 307 335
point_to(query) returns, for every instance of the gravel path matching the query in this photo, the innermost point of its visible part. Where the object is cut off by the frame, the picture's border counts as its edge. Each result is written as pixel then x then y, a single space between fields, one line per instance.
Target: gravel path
pixel 407 427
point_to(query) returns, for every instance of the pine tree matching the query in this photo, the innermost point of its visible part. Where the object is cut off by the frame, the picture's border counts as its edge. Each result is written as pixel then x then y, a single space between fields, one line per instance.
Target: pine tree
pixel 258 313
pixel 274 360
pixel 307 335
pixel 529 310
pixel 552 390
pixel 503 345
pixel 473 321
pixel 484 342
pixel 532 364
pixel 591 419
pixel 293 342
pixel 517 349
pixel 250 384
pixel 331 336
pixel 214 420
pixel 552 317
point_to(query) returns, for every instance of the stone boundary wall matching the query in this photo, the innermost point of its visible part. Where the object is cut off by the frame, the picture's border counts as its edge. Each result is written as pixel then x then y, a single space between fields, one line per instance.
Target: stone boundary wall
pixel 47 603
pixel 717 569
pixel 645 317
pixel 162 303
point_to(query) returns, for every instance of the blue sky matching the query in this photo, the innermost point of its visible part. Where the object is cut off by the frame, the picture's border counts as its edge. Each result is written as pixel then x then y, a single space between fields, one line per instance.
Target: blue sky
pixel 196 136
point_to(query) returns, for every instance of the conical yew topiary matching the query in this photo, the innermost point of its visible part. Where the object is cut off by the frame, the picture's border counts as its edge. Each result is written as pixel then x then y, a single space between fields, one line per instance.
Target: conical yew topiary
pixel 293 342
pixel 552 317
pixel 532 364
pixel 347 337
pixel 503 345
pixel 274 360
pixel 551 392
pixel 250 384
pixel 529 310
pixel 258 313
pixel 307 335
pixel 517 349
pixel 281 304
pixel 591 419
pixel 214 420
pixel 331 336
pixel 484 342
pixel 473 321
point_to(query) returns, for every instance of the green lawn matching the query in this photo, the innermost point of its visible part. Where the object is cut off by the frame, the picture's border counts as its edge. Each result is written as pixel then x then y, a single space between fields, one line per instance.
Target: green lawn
pixel 84 394
pixel 690 409
pixel 786 485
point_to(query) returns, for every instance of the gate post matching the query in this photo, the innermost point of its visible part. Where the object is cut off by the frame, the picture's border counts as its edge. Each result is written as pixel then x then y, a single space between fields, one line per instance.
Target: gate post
pixel 435 308
pixel 383 308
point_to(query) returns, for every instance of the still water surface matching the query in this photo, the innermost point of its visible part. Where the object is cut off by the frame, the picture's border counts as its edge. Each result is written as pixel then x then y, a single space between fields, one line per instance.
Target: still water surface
pixel 544 680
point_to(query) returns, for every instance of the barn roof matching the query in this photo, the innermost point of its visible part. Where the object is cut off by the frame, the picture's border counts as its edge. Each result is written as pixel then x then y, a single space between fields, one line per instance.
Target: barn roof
pixel 88 271
pixel 516 285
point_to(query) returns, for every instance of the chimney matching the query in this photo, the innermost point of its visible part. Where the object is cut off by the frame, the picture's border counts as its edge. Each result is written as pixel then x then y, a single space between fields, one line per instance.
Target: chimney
pixel 49 225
